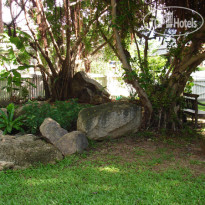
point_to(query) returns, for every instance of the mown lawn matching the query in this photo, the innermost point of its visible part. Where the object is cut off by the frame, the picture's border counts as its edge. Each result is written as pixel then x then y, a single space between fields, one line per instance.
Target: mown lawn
pixel 117 172
pixel 200 107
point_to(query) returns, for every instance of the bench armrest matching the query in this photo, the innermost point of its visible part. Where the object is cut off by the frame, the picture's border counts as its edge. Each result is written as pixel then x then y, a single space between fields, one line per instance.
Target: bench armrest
pixel 191 95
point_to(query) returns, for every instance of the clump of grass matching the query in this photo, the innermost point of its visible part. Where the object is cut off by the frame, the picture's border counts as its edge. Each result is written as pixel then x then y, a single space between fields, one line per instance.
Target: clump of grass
pixel 139 152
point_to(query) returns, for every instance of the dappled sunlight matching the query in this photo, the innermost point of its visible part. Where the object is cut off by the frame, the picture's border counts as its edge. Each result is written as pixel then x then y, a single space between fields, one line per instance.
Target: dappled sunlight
pixel 55 182
pixel 36 182
pixel 91 183
pixel 109 169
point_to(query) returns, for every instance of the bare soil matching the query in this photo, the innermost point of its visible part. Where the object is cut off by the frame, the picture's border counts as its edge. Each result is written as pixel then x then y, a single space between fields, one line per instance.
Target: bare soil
pixel 155 153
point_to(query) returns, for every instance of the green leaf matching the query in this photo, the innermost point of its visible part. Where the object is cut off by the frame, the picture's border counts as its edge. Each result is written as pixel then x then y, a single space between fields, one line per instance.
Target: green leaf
pixel 25 67
pixel 9 129
pixel 2 126
pixel 17 42
pixel 16 73
pixel 4 87
pixel 5 132
pixel 15 88
pixel 9 80
pixel 4 75
pixel 9 89
pixel 33 85
pixel 3 115
pixel 10 109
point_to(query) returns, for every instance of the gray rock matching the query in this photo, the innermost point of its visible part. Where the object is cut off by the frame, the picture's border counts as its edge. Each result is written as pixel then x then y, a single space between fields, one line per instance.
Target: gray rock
pixel 27 150
pixel 6 165
pixel 6 137
pixel 110 120
pixel 67 143
pixel 27 137
pixel 51 130
pixel 72 142
pixel 88 90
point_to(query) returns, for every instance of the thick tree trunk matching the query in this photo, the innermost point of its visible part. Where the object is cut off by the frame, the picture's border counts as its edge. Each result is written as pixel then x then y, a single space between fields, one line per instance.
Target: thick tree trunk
pixel 87 64
pixel 127 67
pixel 169 101
pixel 61 85
pixel 46 86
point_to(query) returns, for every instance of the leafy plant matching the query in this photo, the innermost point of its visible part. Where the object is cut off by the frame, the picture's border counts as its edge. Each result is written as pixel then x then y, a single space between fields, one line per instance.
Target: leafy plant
pixel 6 121
pixel 189 85
pixel 14 52
pixel 25 92
pixel 119 97
pixel 65 113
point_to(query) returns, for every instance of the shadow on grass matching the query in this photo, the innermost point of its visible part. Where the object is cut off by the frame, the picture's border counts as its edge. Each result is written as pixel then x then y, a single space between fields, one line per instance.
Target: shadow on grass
pixel 87 182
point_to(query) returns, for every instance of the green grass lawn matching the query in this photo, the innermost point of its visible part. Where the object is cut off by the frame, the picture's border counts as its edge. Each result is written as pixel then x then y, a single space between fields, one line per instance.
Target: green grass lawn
pixel 105 177
pixel 200 107
pixel 201 68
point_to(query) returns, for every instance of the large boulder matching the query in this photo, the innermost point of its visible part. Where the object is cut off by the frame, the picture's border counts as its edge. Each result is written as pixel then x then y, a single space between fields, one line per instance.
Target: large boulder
pixel 67 143
pixel 72 142
pixel 25 151
pixel 51 130
pixel 6 165
pixel 110 120
pixel 88 90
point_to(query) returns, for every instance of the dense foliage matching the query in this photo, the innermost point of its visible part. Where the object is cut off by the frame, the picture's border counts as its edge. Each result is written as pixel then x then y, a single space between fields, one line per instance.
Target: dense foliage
pixel 65 113
pixel 69 32
pixel 158 89
pixel 7 121
pixel 14 59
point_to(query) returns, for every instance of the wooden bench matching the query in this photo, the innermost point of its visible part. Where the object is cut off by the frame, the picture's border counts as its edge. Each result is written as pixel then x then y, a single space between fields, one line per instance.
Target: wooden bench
pixel 191 107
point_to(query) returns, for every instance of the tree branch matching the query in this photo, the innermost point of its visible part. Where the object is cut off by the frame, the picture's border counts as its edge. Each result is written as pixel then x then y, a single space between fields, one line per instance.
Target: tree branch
pixel 97 49
pixel 196 58
pixel 68 30
pixel 75 3
pixel 14 18
pixel 138 52
pixel 50 31
pixel 39 46
pixel 43 69
pixel 79 40
pixel 108 41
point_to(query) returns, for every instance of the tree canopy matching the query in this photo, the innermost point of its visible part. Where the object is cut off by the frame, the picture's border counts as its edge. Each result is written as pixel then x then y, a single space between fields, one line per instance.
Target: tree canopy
pixel 61 33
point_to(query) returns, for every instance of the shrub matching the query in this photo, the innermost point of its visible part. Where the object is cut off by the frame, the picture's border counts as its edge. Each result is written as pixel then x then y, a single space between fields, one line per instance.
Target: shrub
pixel 24 92
pixel 65 113
pixel 6 121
